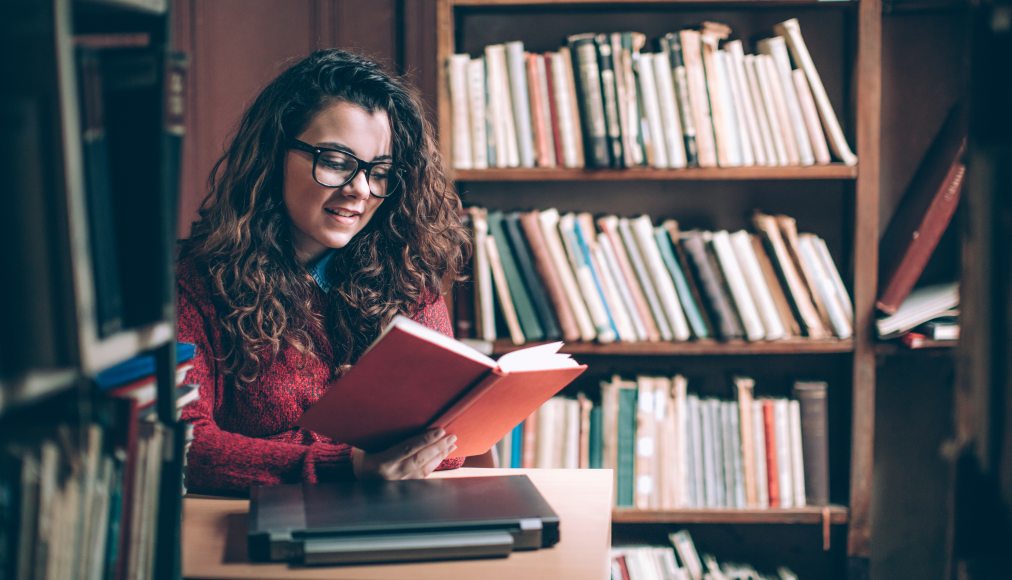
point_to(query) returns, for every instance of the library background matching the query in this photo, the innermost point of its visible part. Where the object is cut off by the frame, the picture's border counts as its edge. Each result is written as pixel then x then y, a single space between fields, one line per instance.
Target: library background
pixel 777 232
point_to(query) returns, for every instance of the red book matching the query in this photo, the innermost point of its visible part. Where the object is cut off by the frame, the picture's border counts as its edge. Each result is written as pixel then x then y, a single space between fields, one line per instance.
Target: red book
pixel 413 378
pixel 772 471
pixel 554 111
pixel 923 215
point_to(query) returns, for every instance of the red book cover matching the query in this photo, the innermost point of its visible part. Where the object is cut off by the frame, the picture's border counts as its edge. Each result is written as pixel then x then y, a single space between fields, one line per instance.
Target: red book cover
pixel 413 378
pixel 772 471
pixel 554 111
pixel 922 216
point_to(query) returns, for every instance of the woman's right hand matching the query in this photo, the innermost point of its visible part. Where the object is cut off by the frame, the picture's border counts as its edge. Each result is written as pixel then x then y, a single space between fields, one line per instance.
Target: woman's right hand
pixel 413 458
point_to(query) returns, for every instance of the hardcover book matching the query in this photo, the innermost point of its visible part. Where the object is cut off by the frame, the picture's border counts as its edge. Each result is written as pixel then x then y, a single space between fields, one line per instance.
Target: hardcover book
pixel 413 378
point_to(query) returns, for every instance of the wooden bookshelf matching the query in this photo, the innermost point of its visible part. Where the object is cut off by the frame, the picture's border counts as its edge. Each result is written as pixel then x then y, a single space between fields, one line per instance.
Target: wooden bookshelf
pixel 928 348
pixel 845 40
pixel 35 385
pixel 695 348
pixel 820 172
pixel 806 515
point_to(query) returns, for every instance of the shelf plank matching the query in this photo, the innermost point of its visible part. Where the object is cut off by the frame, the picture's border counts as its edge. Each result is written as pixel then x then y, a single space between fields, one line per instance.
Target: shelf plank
pixel 698 347
pixel 816 172
pixel 34 385
pixel 632 4
pixel 119 347
pixel 806 515
pixel 928 348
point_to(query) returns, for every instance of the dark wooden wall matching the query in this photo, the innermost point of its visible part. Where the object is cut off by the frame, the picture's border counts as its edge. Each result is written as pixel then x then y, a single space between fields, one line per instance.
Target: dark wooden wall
pixel 237 46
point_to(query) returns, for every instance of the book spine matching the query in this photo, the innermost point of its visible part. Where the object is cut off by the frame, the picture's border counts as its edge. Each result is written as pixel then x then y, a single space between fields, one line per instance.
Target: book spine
pixel 727 324
pixel 549 221
pixel 457 77
pixel 737 96
pixel 521 299
pixel 744 388
pixel 674 143
pixel 644 232
pixel 783 308
pixel 728 152
pixel 609 228
pixel 769 122
pixel 760 292
pixel 609 93
pixel 776 48
pixel 738 287
pixel 551 277
pixel 759 439
pixel 785 476
pixel 772 458
pixel 811 116
pixel 525 262
pixel 477 113
pixel 643 275
pixel 622 287
pixel 692 312
pixel 520 100
pixel 797 460
pixel 590 99
pixel 682 95
pixel 812 397
pixel 771 78
pixel 503 291
pixel 801 300
pixel 746 102
pixel 696 81
pixel 657 146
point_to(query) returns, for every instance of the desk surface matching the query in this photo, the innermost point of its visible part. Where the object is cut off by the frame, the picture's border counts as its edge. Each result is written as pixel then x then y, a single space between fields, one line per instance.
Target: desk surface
pixel 214 537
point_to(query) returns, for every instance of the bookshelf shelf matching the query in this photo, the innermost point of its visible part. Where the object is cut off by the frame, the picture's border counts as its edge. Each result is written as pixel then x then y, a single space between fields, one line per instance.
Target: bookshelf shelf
pixel 816 172
pixel 806 515
pixel 696 348
pixel 928 348
pixel 34 385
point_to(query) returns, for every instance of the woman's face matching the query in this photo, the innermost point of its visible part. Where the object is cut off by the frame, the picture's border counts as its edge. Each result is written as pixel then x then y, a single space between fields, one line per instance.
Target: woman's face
pixel 329 217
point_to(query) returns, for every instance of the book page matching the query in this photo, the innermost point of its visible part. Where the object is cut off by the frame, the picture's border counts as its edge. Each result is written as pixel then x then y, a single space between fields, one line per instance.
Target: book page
pixel 544 356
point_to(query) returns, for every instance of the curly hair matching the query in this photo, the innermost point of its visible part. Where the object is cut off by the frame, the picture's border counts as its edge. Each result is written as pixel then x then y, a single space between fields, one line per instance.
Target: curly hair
pixel 242 239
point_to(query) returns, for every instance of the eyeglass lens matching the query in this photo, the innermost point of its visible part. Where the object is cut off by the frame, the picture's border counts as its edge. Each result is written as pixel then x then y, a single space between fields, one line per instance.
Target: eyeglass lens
pixel 335 168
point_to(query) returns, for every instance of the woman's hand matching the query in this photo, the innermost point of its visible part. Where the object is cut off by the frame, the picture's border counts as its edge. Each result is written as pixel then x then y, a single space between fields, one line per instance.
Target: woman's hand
pixel 414 458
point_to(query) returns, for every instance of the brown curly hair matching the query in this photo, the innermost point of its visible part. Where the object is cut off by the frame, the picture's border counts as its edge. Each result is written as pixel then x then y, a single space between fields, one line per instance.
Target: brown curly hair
pixel 242 239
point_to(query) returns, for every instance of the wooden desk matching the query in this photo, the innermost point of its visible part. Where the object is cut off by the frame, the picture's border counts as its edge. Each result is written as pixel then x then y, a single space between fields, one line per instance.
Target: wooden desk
pixel 214 538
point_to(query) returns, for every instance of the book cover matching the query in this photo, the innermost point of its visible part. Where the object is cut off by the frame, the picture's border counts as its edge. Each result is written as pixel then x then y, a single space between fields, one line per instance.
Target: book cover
pixel 590 99
pixel 551 277
pixel 529 321
pixel 432 380
pixel 525 262
pixel 812 396
pixel 923 215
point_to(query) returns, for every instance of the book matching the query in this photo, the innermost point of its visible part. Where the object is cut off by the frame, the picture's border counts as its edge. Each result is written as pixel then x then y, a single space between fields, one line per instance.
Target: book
pixel 516 72
pixel 138 367
pixel 502 291
pixel 457 78
pixel 525 307
pixel 432 380
pixel 587 77
pixel 923 215
pixel 812 396
pixel 554 286
pixel 922 305
pixel 525 263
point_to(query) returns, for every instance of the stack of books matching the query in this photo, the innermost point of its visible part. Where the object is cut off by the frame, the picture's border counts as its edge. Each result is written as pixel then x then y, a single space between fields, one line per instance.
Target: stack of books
pixel 631 280
pixel 670 449
pixel 601 101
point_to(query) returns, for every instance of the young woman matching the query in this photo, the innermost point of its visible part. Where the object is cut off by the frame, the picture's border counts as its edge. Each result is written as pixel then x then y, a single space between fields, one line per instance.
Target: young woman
pixel 328 215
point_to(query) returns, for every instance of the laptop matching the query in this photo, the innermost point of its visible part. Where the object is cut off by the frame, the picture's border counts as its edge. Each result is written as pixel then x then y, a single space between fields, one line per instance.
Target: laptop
pixel 399 521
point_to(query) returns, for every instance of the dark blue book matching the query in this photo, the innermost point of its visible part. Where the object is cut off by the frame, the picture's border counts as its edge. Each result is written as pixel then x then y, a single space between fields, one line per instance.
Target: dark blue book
pixel 138 367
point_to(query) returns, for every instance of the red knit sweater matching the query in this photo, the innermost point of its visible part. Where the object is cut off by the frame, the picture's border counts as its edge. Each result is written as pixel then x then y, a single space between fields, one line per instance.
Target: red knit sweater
pixel 247 436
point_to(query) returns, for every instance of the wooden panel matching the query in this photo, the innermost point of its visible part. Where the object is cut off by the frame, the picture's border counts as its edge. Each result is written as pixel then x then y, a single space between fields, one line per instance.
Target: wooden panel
pixel 368 27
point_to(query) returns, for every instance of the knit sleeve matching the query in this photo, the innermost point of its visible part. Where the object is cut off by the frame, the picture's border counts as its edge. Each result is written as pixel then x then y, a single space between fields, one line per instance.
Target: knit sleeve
pixel 220 461
pixel 436 316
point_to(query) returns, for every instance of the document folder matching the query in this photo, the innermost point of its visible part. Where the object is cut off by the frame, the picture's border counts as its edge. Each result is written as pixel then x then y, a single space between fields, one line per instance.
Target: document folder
pixel 397 521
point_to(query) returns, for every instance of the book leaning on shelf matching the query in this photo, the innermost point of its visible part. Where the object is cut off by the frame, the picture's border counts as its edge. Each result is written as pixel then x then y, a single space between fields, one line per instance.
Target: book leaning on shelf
pixel 603 101
pixel 412 378
pixel 630 280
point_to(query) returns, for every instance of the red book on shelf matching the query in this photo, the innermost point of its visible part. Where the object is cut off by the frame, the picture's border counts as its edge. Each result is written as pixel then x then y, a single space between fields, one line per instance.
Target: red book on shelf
pixel 413 378
pixel 923 215
pixel 772 471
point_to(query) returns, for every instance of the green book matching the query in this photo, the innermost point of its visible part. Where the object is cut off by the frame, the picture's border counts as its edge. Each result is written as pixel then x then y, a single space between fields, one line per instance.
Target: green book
pixel 529 322
pixel 626 447
pixel 594 461
pixel 681 284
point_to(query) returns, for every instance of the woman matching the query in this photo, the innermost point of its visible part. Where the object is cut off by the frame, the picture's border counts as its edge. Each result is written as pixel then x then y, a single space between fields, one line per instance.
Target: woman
pixel 328 215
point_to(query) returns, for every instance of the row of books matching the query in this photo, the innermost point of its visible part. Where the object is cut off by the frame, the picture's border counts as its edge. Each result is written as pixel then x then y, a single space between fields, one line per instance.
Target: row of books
pixel 928 313
pixel 627 279
pixel 670 449
pixel 681 561
pixel 601 101
pixel 84 501
pixel 121 79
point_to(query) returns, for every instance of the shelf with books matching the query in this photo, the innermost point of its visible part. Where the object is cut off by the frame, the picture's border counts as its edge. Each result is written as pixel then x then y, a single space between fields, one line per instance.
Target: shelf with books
pixel 803 515
pixel 127 343
pixel 696 348
pixel 33 386
pixel 570 179
pixel 815 172
pixel 926 347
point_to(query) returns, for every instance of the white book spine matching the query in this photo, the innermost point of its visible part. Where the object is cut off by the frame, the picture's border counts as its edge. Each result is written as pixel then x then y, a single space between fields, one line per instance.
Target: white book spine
pixel 749 263
pixel 549 221
pixel 783 440
pixel 711 485
pixel 754 329
pixel 574 109
pixel 561 85
pixel 585 279
pixel 500 115
pixel 811 115
pixel 825 286
pixel 478 117
pixel 728 155
pixel 657 152
pixel 643 229
pixel 736 454
pixel 674 140
pixel 547 422
pixel 613 299
pixel 759 440
pixel 797 458
pixel 776 89
pixel 683 473
pixel 572 457
pixel 834 274
pixel 791 31
pixel 483 276
pixel 768 121
pixel 625 294
pixel 741 152
pixel 744 104
pixel 643 275
pixel 777 49
pixel 460 111
pixel 520 100
pixel 503 291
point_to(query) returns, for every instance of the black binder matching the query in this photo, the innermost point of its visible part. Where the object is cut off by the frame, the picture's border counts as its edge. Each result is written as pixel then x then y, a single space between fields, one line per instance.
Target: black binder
pixel 398 521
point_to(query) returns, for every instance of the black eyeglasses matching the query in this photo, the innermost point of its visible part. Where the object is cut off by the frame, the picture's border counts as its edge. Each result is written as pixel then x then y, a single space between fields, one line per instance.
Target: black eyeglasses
pixel 336 168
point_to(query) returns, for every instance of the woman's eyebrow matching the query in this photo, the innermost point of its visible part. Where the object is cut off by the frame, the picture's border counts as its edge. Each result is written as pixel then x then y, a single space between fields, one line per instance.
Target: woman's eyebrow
pixel 343 147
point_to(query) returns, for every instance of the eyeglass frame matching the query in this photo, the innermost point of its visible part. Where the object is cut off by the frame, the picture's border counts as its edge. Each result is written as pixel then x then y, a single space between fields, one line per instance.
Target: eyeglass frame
pixel 361 165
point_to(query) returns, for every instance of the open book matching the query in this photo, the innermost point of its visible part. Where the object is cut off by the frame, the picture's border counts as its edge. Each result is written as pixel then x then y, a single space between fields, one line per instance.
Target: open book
pixel 413 377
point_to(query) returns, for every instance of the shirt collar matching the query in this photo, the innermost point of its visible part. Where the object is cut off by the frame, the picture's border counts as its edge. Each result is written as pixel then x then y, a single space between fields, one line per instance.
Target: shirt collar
pixel 318 270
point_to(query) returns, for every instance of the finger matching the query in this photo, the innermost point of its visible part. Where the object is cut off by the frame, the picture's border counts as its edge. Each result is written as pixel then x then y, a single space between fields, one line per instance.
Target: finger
pixel 436 452
pixel 435 463
pixel 413 445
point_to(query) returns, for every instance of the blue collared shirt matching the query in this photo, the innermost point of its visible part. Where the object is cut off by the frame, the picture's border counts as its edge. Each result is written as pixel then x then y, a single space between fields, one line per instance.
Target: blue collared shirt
pixel 318 270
